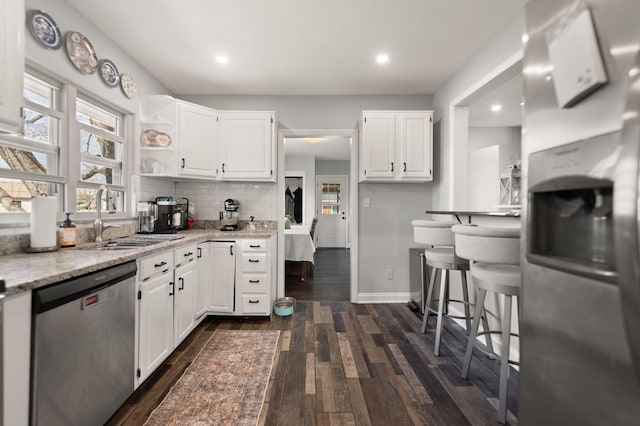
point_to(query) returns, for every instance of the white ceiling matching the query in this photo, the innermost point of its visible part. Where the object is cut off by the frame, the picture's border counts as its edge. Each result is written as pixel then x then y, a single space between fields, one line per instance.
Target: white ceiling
pixel 296 47
pixel 329 148
pixel 509 95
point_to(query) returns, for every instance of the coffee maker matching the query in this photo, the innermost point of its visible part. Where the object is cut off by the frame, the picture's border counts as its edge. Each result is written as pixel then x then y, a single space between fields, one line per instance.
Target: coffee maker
pixel 164 216
pixel 229 219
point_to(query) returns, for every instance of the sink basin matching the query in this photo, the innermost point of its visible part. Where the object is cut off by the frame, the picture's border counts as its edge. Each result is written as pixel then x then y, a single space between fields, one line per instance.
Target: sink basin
pixel 128 243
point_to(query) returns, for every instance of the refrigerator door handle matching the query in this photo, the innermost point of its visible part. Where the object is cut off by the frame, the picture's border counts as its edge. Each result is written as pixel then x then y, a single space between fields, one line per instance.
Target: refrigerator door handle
pixel 626 227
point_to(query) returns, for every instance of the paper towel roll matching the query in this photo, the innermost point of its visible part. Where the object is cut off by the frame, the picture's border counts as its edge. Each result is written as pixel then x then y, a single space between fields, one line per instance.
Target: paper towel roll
pixel 43 221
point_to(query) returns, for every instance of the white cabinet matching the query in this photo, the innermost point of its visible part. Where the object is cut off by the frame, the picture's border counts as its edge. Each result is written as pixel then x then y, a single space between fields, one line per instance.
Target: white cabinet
pixel 197 130
pixel 204 273
pixel 12 17
pixel 166 305
pixel 177 139
pixel 247 146
pixel 222 281
pixel 155 312
pixel 396 146
pixel 155 323
pixel 255 275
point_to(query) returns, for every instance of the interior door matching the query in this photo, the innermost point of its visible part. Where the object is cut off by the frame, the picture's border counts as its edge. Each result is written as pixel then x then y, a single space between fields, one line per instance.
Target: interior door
pixel 332 208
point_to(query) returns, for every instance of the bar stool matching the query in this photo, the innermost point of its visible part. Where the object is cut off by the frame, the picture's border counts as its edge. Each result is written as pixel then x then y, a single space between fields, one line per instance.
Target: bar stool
pixel 495 255
pixel 440 255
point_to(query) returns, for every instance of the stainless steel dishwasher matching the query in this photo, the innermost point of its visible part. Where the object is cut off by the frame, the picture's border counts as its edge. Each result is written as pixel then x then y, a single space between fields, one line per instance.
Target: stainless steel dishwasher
pixel 83 347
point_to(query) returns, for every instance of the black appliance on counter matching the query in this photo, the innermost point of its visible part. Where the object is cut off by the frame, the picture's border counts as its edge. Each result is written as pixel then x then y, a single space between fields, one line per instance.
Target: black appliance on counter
pixel 164 216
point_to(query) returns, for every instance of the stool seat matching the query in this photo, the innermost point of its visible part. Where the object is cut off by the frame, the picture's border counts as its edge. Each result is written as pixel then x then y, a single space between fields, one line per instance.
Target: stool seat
pixel 495 255
pixel 445 258
pixel 497 277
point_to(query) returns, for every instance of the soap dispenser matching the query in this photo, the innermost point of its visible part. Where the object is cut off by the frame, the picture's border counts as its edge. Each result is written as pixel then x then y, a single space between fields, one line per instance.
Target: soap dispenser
pixel 68 233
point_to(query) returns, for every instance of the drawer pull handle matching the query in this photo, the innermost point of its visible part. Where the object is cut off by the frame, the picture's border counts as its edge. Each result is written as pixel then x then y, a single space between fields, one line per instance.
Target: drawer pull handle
pixel 188 254
pixel 254 301
pixel 165 271
pixel 171 284
pixel 199 253
pixel 160 265
pixel 181 283
pixel 254 260
pixel 254 281
pixel 252 246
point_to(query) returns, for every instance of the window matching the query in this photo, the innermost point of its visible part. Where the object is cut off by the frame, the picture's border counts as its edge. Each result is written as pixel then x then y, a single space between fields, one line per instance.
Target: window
pixel 101 147
pixel 30 164
pixel 62 126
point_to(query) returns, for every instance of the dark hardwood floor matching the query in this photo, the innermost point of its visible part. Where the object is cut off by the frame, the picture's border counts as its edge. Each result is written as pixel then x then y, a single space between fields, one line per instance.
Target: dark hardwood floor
pixel 329 280
pixel 339 363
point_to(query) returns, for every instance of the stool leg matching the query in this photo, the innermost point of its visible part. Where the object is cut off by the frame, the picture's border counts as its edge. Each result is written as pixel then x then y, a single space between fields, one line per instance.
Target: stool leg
pixel 465 297
pixel 504 360
pixel 474 331
pixel 430 284
pixel 487 337
pixel 443 291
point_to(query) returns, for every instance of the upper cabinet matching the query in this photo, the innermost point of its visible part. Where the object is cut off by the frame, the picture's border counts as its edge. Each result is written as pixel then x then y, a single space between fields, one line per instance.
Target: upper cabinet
pixel 12 17
pixel 396 146
pixel 248 145
pixel 184 140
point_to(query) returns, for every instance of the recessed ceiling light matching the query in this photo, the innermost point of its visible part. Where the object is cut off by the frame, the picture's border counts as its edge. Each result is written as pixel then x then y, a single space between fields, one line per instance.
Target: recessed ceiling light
pixel 496 107
pixel 525 38
pixel 222 59
pixel 382 58
pixel 548 78
pixel 313 140
pixel 522 103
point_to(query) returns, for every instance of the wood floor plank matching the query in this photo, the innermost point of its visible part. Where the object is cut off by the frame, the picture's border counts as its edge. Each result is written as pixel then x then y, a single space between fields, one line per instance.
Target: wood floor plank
pixel 358 404
pixel 292 407
pixel 309 336
pixel 348 362
pixel 336 419
pixel 310 380
pixel 368 324
pixel 417 387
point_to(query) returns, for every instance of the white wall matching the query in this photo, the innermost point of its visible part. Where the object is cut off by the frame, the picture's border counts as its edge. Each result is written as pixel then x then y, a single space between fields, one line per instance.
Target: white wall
pixel 506 44
pixel 58 64
pixel 507 141
pixel 332 167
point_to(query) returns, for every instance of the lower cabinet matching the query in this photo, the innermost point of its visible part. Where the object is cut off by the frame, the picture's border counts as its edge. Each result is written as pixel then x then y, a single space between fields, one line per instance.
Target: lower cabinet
pixel 178 288
pixel 166 306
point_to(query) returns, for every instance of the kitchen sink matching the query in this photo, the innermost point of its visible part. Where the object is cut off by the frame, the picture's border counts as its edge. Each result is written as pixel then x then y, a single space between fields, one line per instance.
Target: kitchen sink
pixel 128 243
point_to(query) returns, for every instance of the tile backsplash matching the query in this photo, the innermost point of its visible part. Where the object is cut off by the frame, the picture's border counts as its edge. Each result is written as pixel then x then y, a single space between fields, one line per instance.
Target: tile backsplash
pixel 256 198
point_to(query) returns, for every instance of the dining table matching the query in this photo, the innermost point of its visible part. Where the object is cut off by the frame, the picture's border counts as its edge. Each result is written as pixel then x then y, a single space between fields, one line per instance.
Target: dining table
pixel 299 247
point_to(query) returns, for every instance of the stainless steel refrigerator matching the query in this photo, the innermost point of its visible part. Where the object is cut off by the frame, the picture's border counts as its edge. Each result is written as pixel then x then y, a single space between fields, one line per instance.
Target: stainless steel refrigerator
pixel 580 319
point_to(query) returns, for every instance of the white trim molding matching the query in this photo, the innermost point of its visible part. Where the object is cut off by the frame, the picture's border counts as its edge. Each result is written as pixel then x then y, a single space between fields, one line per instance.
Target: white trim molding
pixel 403 297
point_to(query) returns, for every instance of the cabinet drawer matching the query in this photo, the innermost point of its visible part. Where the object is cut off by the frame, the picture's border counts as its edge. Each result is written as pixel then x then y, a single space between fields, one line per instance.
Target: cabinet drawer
pixel 255 304
pixel 156 264
pixel 253 262
pixel 255 245
pixel 185 254
pixel 254 283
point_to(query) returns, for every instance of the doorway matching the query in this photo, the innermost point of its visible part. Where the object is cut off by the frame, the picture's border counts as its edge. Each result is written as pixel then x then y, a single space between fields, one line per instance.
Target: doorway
pixel 308 151
pixel 332 207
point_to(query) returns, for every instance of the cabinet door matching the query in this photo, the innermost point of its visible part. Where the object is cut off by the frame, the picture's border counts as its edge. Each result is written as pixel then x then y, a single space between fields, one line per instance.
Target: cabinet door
pixel 155 335
pixel 416 148
pixel 377 150
pixel 222 281
pixel 204 272
pixel 11 63
pixel 184 303
pixel 247 143
pixel 197 140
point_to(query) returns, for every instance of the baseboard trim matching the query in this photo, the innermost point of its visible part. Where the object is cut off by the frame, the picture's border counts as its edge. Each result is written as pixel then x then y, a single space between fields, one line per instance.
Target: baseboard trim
pixel 384 297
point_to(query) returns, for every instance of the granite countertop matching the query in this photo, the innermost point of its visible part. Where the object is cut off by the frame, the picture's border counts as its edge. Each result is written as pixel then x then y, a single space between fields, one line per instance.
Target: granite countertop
pixel 28 271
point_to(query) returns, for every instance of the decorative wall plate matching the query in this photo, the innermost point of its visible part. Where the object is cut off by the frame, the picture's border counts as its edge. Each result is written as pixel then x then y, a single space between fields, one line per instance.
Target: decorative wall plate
pixel 44 29
pixel 155 139
pixel 81 52
pixel 128 85
pixel 109 73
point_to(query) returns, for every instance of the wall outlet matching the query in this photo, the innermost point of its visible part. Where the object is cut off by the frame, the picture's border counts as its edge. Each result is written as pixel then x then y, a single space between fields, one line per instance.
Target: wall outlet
pixel 366 202
pixel 389 274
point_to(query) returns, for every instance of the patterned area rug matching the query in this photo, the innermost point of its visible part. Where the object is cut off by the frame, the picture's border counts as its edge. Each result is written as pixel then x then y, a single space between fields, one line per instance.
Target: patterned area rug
pixel 225 384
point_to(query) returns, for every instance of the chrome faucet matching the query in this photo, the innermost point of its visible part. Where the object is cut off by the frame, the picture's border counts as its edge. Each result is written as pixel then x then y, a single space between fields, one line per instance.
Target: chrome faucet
pixel 97 224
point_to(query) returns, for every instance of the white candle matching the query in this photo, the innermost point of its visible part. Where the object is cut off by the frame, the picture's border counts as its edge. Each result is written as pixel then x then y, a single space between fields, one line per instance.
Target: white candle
pixel 43 221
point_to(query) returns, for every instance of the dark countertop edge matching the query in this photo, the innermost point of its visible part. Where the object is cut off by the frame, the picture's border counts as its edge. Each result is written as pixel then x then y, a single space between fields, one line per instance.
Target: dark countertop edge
pixel 115 257
pixel 473 213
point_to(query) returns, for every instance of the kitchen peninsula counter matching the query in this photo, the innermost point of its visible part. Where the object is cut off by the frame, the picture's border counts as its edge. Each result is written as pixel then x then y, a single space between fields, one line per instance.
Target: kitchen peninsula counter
pixel 28 271
pixel 470 213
